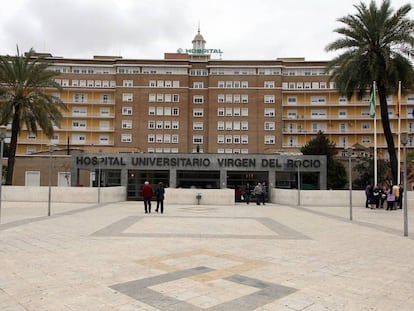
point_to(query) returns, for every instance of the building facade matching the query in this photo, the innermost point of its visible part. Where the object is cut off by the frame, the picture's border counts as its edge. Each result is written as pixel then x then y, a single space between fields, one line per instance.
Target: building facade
pixel 191 102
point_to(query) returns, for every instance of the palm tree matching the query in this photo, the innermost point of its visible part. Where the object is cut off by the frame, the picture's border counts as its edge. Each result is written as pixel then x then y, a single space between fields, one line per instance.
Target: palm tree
pixel 25 99
pixel 376 43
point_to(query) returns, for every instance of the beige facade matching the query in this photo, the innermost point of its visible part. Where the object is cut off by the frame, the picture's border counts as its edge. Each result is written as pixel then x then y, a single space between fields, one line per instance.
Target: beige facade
pixel 186 103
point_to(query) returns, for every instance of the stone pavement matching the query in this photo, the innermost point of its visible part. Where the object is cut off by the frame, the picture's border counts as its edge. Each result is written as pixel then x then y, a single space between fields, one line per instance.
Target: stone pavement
pixel 242 257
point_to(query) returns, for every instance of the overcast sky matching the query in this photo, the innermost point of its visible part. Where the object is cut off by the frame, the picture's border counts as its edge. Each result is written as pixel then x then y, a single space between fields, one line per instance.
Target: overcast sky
pixel 145 29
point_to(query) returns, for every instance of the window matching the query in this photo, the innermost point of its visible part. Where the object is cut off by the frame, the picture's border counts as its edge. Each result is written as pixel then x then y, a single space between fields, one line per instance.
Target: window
pixel 126 138
pixel 79 139
pixel 80 98
pixel 229 84
pixel 104 125
pixel 244 84
pixel 167 98
pixel 318 100
pixel 175 125
pixel 127 111
pixel 31 136
pixel 160 98
pixel 198 85
pixel 236 84
pixel 75 83
pixel 151 98
pixel 151 111
pixel 245 99
pixel 269 126
pixel 291 100
pixel 221 84
pixel 176 98
pixel 81 124
pixel 167 125
pixel 104 111
pixel 318 114
pixel 236 125
pixel 167 111
pixel 229 125
pixel 269 140
pixel 127 124
pixel 236 139
pixel 269 112
pixel 160 111
pixel 229 112
pixel 176 83
pixel 103 139
pixel 244 139
pixel 151 138
pixel 245 126
pixel 168 84
pixel 198 112
pixel 151 125
pixel 174 139
pixel 175 111
pixel 245 112
pixel 220 98
pixel 152 83
pixel 269 84
pixel 198 139
pixel 229 98
pixel 220 125
pixel 236 112
pixel 342 114
pixel 220 139
pixel 127 97
pixel 197 126
pixel 228 139
pixel 160 83
pixel 198 99
pixel 269 99
pixel 159 125
pixel 105 98
pixel 79 111
pixel 220 112
pixel 236 99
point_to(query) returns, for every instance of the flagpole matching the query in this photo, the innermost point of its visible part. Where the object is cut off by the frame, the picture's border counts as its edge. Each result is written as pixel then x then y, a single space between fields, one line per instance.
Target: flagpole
pixel 375 136
pixel 399 133
pixel 373 115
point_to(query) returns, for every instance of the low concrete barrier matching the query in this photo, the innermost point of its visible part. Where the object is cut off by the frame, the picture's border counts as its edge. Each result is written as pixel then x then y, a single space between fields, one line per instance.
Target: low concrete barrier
pixel 184 196
pixel 208 196
pixel 323 197
pixel 63 194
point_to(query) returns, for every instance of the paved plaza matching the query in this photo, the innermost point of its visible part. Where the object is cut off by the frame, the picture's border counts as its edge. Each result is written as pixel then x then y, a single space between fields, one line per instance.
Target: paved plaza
pixel 113 257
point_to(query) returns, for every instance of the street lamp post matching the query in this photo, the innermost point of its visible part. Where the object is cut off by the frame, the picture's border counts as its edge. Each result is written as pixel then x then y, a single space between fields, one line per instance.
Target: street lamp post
pixel 2 137
pixel 404 141
pixel 99 178
pixel 349 154
pixel 298 166
pixel 51 149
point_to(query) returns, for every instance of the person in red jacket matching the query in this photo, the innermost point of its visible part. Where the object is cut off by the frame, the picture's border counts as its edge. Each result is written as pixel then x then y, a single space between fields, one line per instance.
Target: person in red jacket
pixel 147 193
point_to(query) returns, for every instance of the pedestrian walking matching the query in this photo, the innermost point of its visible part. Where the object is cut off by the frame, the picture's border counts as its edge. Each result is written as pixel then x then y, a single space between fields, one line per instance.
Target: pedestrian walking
pixel 147 193
pixel 160 195
pixel 258 191
pixel 247 193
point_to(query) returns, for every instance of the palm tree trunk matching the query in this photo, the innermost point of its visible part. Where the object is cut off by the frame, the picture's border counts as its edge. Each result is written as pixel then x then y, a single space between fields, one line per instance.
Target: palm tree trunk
pixel 387 133
pixel 13 145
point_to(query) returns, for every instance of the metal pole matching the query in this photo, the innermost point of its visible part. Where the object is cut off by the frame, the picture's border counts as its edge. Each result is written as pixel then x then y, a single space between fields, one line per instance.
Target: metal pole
pixel 50 182
pixel 1 170
pixel 298 165
pixel 99 180
pixel 350 185
pixel 405 194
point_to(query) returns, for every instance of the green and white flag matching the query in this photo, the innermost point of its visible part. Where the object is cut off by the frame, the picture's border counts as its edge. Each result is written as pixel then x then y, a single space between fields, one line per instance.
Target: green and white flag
pixel 372 102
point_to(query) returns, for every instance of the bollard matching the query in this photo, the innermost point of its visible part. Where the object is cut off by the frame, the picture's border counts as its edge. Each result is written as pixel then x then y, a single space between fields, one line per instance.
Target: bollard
pixel 198 197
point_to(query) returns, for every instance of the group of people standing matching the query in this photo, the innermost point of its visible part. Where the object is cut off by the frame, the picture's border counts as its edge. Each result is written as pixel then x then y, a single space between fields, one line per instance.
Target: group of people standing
pixel 258 193
pixel 148 193
pixel 377 195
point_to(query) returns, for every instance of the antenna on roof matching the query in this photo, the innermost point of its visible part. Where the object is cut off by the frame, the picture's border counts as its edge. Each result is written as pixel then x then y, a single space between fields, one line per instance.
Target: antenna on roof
pixel 199 27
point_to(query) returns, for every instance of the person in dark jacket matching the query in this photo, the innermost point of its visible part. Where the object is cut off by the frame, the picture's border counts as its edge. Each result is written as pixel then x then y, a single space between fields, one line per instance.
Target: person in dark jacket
pixel 147 193
pixel 160 194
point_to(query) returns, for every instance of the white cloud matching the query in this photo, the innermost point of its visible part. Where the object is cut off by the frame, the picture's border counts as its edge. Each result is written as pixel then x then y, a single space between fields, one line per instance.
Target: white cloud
pixel 262 29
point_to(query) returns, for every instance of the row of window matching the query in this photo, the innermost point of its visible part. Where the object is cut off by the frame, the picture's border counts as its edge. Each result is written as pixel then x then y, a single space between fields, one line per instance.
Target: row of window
pixel 193 72
pixel 86 83
pixel 342 114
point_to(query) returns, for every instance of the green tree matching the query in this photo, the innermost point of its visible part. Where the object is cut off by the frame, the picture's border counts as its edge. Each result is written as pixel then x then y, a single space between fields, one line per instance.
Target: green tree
pixel 365 167
pixel 376 42
pixel 320 145
pixel 25 85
